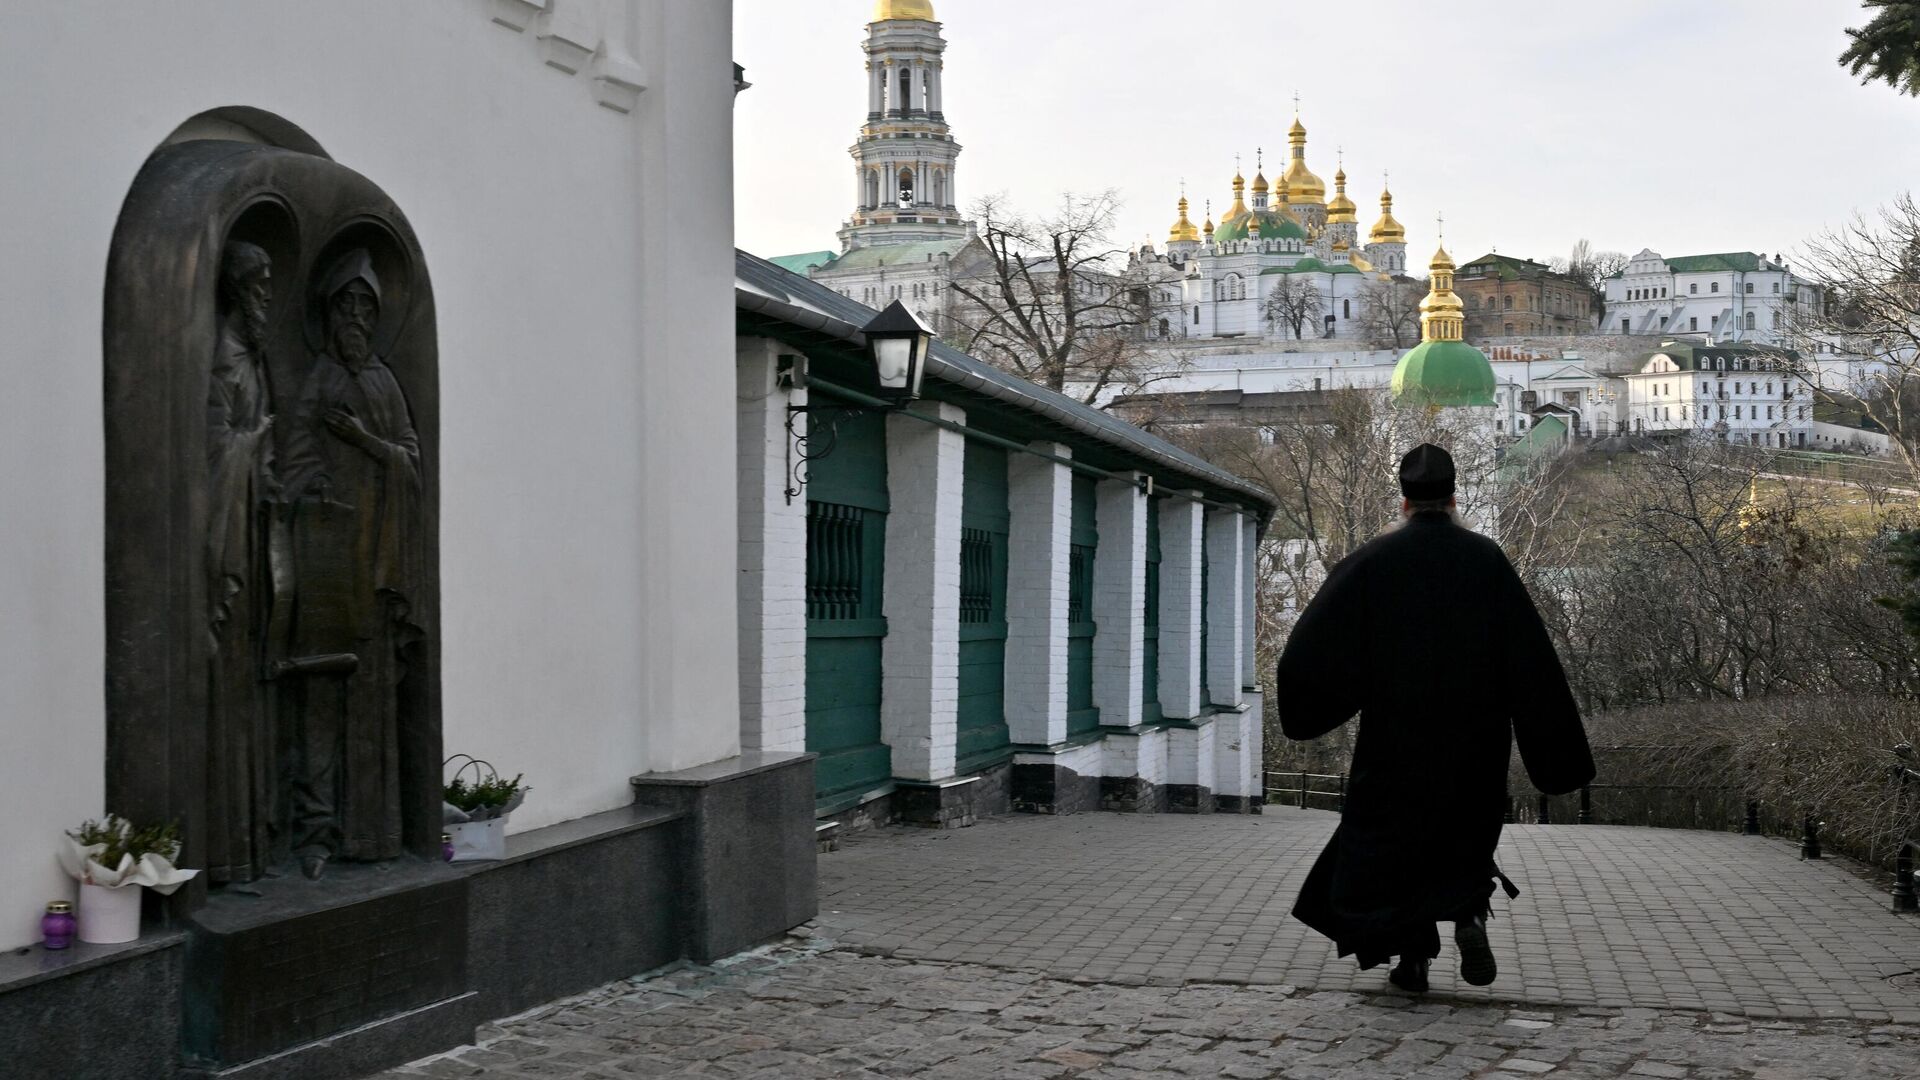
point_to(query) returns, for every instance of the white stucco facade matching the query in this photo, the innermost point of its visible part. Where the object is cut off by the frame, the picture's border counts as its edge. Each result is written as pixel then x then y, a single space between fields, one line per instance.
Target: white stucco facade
pixel 577 232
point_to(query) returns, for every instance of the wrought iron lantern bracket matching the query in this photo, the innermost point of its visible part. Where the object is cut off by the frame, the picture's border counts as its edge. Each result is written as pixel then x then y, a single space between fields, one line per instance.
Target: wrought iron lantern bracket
pixel 815 439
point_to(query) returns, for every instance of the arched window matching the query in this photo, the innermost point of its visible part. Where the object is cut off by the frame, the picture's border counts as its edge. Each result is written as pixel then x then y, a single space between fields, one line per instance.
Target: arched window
pixel 1346 309
pixel 1715 287
pixel 1749 286
pixel 1749 320
pixel 1509 304
pixel 1196 315
pixel 1165 328
pixel 906 89
pixel 906 187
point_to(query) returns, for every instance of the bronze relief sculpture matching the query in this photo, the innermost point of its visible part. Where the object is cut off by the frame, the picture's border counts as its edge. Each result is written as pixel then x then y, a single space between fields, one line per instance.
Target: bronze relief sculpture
pixel 271 409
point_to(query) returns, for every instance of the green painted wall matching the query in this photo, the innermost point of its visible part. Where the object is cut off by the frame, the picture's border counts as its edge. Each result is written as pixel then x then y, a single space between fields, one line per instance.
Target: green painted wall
pixel 1081 715
pixel 983 738
pixel 846 549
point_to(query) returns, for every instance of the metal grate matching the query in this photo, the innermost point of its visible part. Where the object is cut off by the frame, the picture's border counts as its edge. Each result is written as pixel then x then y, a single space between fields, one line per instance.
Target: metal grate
pixel 835 539
pixel 976 575
pixel 1079 583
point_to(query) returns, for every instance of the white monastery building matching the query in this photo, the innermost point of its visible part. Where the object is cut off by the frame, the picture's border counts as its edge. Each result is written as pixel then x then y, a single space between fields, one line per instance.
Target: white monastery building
pixel 1733 296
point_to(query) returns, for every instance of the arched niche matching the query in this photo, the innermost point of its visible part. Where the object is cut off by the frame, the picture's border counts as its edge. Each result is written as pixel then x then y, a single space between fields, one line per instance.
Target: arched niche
pixel 172 664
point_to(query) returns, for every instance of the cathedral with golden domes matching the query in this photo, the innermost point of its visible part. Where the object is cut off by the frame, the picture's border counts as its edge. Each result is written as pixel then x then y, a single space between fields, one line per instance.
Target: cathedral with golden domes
pixel 1288 238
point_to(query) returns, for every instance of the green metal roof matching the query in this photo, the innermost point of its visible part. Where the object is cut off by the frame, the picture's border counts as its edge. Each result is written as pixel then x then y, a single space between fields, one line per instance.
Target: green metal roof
pixel 1272 227
pixel 868 258
pixel 1731 260
pixel 1504 267
pixel 803 262
pixel 1311 265
pixel 1444 373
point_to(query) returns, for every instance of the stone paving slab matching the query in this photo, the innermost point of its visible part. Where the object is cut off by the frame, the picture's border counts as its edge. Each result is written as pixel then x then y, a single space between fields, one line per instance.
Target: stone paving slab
pixel 802 1010
pixel 1609 916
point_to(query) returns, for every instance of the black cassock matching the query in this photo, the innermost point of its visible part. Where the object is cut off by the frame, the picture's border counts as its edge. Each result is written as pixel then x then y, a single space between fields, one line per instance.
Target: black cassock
pixel 1429 635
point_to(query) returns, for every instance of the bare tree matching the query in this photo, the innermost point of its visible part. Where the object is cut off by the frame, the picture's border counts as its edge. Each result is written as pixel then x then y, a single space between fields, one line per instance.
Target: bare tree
pixel 1294 303
pixel 1871 266
pixel 1590 268
pixel 1390 312
pixel 1049 301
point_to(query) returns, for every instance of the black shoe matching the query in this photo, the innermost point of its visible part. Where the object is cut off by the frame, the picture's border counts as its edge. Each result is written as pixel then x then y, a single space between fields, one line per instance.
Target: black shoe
pixel 313 866
pixel 1476 956
pixel 1410 974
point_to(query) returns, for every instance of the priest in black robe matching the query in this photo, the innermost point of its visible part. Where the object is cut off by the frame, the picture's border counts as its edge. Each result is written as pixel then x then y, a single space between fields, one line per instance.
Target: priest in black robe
pixel 1428 634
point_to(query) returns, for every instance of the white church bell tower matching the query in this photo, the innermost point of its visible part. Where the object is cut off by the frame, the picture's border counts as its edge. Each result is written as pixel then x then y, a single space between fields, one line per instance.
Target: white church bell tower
pixel 904 160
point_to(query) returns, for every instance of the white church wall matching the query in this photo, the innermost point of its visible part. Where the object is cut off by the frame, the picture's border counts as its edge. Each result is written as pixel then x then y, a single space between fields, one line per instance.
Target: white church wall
pixel 581 266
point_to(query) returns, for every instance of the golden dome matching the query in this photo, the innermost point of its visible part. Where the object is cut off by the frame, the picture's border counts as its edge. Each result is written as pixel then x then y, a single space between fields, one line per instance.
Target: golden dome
pixel 1387 230
pixel 883 10
pixel 1208 227
pixel 1260 186
pixel 1239 208
pixel 1183 230
pixel 1442 316
pixel 1340 208
pixel 1361 264
pixel 1301 184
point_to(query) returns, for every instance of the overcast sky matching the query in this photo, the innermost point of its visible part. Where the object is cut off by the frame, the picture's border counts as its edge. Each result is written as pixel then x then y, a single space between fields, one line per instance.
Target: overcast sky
pixel 1708 125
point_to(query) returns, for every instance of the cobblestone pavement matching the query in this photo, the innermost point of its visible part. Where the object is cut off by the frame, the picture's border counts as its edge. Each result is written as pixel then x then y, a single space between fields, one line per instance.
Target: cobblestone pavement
pixel 800 1011
pixel 1609 916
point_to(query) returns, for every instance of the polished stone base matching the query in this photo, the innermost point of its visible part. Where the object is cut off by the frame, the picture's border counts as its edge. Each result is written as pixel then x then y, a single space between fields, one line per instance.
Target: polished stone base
pixel 289 961
pixel 376 965
pixel 92 1010
pixel 750 856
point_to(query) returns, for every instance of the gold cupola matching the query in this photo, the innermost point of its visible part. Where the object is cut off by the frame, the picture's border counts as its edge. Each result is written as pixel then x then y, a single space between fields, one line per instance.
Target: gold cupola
pixel 1302 186
pixel 1239 208
pixel 1208 227
pixel 1260 185
pixel 1340 209
pixel 1183 230
pixel 1387 230
pixel 1442 316
pixel 885 10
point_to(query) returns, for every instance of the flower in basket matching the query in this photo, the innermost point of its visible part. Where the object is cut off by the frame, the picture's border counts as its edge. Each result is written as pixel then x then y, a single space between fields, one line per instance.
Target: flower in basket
pixel 483 798
pixel 112 853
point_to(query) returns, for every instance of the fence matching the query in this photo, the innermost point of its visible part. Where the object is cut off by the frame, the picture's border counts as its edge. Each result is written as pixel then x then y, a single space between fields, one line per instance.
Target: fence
pixel 1656 805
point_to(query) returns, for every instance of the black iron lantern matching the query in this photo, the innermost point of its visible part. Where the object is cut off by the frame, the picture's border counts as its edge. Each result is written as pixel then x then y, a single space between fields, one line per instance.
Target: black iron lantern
pixel 899 342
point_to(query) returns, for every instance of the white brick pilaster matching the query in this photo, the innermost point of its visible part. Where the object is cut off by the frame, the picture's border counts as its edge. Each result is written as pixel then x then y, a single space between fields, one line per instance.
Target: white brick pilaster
pixel 1180 537
pixel 1249 610
pixel 920 656
pixel 1040 530
pixel 1119 594
pixel 1190 756
pixel 1226 605
pixel 1236 750
pixel 772 586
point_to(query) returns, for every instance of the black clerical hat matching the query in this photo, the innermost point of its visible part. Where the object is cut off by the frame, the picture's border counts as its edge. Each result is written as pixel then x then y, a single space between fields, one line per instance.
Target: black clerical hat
pixel 1426 473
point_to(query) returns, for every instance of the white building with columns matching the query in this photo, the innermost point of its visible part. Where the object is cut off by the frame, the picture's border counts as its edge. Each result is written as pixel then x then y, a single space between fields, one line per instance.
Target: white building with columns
pixel 993 598
pixel 1731 296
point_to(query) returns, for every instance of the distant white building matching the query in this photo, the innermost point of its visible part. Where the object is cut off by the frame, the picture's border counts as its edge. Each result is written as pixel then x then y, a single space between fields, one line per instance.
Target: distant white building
pixel 1734 296
pixel 1741 393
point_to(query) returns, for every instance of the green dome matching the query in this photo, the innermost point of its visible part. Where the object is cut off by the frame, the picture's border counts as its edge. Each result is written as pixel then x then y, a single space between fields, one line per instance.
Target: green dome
pixel 1311 265
pixel 1272 227
pixel 1443 373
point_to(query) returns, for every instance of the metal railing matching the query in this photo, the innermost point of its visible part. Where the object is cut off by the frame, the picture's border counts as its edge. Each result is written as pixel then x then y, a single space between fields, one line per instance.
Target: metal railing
pixel 1281 786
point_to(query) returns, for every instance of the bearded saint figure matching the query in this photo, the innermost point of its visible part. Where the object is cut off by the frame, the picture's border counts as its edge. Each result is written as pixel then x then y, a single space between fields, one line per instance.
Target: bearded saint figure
pixel 240 489
pixel 352 527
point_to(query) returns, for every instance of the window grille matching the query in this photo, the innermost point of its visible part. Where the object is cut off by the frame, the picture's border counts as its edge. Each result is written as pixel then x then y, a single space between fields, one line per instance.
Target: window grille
pixel 1079 583
pixel 835 542
pixel 976 575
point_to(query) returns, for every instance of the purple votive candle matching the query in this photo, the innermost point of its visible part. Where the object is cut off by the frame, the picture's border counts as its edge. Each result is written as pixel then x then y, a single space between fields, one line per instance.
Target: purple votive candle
pixel 57 925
